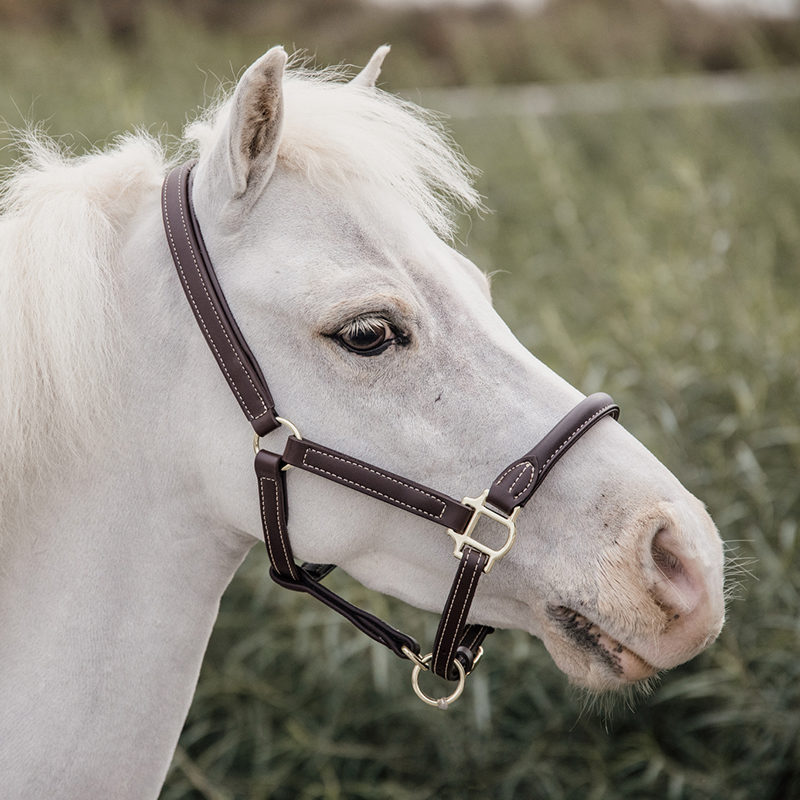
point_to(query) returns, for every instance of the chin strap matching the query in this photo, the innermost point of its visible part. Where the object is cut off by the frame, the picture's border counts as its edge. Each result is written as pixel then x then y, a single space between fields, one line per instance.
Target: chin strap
pixel 457 646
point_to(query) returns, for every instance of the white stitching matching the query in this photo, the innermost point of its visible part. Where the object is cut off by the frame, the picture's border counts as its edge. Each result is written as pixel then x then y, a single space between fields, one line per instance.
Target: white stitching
pixel 369 489
pixel 200 318
pixel 447 618
pixel 476 572
pixel 289 563
pixel 577 430
pixel 499 480
pixel 530 480
pixel 461 616
pixel 264 522
pixel 515 464
pixel 552 456
pixel 470 643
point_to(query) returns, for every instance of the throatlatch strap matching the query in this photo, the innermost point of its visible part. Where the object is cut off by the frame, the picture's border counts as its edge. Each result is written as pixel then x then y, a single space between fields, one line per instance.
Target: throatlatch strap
pixel 284 570
pixel 208 303
pixel 367 623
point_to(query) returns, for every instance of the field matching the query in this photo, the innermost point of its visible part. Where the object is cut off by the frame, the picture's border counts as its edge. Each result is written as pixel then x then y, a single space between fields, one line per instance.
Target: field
pixel 651 254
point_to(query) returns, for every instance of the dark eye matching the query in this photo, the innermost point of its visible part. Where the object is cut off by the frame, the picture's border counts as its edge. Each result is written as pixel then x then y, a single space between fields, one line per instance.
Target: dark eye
pixel 367 336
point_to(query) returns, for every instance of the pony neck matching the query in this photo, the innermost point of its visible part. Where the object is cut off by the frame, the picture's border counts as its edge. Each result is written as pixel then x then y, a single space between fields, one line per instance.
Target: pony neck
pixel 109 588
pixel 105 621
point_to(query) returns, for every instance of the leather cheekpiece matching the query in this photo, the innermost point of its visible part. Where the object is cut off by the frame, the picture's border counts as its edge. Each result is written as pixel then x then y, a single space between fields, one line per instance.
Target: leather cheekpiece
pixel 199 282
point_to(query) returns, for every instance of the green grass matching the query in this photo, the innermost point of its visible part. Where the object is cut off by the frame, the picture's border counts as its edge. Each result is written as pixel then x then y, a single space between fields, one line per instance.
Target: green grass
pixel 654 255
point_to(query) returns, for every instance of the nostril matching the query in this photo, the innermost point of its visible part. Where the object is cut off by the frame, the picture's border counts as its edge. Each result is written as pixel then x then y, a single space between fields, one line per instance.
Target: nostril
pixel 668 564
pixel 677 585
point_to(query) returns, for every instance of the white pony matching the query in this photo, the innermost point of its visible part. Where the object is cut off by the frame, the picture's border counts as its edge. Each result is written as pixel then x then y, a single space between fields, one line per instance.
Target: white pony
pixel 128 499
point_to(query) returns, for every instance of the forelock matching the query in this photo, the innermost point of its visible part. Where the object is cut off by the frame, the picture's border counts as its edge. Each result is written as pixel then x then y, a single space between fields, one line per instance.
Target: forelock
pixel 337 133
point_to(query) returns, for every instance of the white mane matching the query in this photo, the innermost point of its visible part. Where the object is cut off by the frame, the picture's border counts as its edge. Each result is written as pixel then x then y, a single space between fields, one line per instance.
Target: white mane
pixel 60 233
pixel 62 223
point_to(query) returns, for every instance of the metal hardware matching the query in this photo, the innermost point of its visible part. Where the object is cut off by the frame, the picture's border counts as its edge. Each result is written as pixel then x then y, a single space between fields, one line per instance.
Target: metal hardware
pixel 414 657
pixel 465 539
pixel 286 424
pixel 291 426
pixel 475 658
pixel 440 702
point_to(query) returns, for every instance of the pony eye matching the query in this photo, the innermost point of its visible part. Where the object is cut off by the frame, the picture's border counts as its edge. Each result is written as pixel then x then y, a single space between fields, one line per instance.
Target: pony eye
pixel 367 336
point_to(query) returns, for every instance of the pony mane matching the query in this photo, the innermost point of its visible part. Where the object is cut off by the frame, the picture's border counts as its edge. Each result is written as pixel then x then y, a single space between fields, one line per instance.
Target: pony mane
pixel 61 219
pixel 63 223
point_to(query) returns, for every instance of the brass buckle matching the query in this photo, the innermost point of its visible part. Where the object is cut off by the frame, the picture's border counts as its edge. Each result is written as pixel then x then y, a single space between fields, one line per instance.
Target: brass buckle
pixel 465 539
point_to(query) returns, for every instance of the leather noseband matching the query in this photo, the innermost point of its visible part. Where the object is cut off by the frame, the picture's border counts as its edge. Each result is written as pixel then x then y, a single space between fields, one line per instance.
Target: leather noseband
pixel 457 646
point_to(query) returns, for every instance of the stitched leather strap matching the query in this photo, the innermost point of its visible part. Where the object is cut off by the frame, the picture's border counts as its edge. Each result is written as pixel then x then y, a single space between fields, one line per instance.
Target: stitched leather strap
pixel 515 485
pixel 471 641
pixel 208 303
pixel 376 482
pixel 455 639
pixel 452 629
pixel 272 500
pixel 367 623
pixel 284 571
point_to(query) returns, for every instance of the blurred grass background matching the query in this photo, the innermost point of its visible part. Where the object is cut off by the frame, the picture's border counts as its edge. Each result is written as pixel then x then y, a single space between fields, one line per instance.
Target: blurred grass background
pixel 653 254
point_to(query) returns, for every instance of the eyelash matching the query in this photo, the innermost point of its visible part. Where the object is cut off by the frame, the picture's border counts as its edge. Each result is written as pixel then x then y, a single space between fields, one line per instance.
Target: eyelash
pixel 364 326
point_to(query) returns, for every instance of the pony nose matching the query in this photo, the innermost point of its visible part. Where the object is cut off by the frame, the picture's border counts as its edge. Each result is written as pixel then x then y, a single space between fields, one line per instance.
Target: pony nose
pixel 685 583
pixel 678 583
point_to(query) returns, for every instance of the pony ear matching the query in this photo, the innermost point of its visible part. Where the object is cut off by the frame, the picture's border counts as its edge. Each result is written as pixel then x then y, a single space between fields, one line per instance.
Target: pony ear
pixel 248 146
pixel 369 75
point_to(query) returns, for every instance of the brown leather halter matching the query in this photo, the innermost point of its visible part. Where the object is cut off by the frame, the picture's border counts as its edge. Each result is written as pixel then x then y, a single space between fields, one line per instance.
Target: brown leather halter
pixel 457 646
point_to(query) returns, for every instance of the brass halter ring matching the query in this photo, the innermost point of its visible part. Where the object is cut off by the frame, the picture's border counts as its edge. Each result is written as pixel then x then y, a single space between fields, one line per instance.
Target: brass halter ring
pixel 286 424
pixel 440 702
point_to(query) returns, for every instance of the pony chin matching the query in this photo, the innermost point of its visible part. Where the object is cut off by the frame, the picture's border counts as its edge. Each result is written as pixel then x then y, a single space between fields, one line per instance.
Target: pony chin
pixel 603 666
